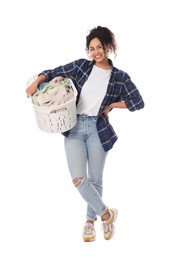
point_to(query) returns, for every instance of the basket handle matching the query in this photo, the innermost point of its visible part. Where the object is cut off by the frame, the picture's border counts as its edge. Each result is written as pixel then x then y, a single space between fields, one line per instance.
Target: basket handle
pixel 58 110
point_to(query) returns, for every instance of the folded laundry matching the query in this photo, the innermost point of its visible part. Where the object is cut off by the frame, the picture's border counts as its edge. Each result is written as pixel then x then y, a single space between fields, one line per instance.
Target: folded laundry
pixel 53 93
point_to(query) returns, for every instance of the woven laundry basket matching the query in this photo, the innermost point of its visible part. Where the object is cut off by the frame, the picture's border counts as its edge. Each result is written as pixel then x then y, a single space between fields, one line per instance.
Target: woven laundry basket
pixel 57 119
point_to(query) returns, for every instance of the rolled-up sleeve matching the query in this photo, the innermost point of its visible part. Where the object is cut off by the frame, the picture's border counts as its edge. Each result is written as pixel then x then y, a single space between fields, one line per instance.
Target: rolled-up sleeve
pixel 131 95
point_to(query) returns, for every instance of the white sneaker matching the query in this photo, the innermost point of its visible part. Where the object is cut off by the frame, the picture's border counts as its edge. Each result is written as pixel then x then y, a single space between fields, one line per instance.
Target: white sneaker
pixel 108 226
pixel 89 233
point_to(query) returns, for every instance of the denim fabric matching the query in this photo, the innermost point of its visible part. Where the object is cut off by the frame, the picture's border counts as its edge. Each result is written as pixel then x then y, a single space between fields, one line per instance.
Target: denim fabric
pixel 86 159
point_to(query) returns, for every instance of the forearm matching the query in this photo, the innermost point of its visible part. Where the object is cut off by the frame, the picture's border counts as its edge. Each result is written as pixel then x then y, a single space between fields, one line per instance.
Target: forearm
pixel 33 87
pixel 41 78
pixel 121 104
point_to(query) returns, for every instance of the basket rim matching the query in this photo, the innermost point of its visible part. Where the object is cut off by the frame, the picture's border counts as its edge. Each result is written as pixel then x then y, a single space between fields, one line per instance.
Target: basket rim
pixel 62 105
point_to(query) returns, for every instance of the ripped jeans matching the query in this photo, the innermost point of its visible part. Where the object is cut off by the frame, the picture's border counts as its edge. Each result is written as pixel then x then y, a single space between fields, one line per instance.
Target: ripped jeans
pixel 86 159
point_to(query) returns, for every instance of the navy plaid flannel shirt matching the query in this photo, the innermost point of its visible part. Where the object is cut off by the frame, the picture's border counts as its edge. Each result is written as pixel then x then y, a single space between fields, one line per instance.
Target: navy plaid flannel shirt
pixel 120 88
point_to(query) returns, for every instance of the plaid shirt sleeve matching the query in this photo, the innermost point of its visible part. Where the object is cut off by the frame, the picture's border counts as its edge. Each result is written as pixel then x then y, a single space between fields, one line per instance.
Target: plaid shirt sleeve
pixel 64 71
pixel 131 95
pixel 120 88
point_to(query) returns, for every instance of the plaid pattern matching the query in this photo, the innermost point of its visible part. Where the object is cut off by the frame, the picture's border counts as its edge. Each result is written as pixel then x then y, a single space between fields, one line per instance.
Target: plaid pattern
pixel 120 88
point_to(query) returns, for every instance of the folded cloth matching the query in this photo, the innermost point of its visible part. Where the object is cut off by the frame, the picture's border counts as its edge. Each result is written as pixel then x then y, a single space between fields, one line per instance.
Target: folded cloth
pixel 35 76
pixel 56 79
pixel 54 94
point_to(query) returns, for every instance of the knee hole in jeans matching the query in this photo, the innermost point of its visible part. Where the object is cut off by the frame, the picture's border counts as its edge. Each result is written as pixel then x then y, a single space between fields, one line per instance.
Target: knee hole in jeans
pixel 78 181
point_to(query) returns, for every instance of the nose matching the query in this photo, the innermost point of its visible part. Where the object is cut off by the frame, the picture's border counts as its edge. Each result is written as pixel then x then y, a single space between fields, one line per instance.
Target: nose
pixel 96 50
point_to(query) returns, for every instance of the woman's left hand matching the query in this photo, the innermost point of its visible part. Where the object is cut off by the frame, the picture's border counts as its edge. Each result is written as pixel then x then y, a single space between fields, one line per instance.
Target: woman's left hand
pixel 105 112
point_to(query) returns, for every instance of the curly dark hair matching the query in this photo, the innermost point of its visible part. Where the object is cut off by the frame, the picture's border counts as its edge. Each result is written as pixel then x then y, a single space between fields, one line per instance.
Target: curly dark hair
pixel 105 36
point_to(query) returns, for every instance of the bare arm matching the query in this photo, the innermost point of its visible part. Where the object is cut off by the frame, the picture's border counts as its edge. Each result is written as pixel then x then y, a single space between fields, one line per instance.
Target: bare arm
pixel 33 87
pixel 121 104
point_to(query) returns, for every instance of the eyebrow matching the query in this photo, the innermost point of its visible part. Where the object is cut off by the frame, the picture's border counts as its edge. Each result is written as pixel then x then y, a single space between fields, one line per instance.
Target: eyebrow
pixel 99 45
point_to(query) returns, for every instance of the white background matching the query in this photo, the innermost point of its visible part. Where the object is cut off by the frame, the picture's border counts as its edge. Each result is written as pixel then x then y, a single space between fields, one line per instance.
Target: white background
pixel 41 213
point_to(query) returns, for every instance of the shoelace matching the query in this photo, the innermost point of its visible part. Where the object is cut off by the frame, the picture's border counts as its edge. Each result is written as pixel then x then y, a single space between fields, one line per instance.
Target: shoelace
pixel 105 227
pixel 88 230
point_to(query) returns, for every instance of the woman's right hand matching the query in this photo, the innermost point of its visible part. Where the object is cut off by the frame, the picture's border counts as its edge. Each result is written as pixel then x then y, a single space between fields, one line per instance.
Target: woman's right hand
pixel 32 89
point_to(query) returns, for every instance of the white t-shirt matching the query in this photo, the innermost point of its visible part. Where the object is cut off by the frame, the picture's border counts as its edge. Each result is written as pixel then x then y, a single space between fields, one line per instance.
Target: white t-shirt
pixel 93 91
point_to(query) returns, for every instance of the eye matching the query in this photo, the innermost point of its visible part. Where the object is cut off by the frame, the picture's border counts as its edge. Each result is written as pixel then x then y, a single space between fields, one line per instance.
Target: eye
pixel 91 49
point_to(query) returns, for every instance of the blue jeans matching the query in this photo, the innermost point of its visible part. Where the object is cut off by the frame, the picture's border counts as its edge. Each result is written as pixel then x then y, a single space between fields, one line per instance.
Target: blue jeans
pixel 86 159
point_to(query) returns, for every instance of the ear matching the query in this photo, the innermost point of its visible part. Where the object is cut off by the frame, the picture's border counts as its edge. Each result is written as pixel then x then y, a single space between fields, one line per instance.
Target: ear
pixel 107 48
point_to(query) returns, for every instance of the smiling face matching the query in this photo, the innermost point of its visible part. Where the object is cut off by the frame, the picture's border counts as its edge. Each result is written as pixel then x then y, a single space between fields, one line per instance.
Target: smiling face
pixel 97 52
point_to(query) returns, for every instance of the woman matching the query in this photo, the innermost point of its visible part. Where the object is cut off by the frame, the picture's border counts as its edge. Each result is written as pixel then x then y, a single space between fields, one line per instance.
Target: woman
pixel 101 87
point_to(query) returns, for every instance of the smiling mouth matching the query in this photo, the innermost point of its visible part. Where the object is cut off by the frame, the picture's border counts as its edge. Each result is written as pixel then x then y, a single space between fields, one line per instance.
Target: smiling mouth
pixel 98 56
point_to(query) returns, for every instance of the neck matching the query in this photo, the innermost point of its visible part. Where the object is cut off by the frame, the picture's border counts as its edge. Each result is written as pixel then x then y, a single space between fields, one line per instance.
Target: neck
pixel 105 66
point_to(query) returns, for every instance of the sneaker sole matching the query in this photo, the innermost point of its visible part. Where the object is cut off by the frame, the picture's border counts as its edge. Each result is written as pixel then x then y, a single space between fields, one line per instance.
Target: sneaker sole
pixel 89 239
